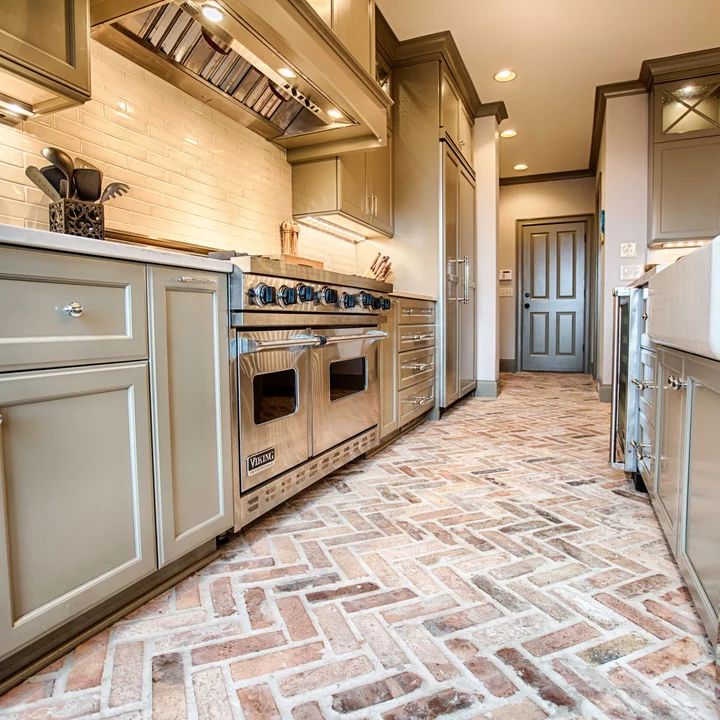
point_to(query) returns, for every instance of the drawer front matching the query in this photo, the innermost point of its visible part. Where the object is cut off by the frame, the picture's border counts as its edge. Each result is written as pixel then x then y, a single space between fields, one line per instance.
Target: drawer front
pixel 646 450
pixel 415 366
pixel 415 312
pixel 648 363
pixel 416 337
pixel 70 310
pixel 415 401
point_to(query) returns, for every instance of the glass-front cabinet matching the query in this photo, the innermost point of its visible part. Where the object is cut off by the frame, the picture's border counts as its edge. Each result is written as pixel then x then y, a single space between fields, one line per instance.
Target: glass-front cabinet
pixel 687 108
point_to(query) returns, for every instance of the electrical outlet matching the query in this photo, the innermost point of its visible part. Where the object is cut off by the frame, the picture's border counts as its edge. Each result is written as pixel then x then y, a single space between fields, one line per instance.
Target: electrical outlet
pixel 631 272
pixel 628 250
pixel 506 292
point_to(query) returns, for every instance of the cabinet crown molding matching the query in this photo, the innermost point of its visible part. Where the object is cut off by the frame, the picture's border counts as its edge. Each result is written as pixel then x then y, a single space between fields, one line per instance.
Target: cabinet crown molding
pixel 680 67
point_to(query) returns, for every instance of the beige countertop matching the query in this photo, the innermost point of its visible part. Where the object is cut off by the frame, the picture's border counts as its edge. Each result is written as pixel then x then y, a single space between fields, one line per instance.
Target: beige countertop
pixel 413 296
pixel 45 240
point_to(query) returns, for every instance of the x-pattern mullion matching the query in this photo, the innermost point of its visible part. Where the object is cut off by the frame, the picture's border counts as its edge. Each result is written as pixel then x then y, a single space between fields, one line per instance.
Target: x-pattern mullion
pixel 693 108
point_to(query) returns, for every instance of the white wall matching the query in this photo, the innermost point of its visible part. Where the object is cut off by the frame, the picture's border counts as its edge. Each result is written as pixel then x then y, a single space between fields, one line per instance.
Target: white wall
pixel 194 174
pixel 525 202
pixel 487 172
pixel 624 187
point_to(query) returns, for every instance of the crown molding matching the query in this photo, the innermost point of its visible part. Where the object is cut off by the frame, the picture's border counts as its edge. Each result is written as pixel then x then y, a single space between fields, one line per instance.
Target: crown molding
pixel 680 67
pixel 439 46
pixel 496 108
pixel 547 177
pixel 602 93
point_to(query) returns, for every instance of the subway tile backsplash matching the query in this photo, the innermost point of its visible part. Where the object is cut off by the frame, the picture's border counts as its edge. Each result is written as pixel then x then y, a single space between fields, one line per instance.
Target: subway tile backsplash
pixel 194 174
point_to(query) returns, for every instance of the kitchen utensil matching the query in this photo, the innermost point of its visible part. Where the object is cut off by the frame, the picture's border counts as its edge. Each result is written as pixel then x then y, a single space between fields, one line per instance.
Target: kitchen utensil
pixel 53 175
pixel 88 183
pixel 42 182
pixel 61 160
pixel 82 163
pixel 114 190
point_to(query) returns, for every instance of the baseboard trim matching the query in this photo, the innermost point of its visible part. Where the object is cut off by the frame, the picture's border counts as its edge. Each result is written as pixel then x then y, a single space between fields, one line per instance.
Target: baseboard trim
pixel 509 366
pixel 487 388
pixel 604 393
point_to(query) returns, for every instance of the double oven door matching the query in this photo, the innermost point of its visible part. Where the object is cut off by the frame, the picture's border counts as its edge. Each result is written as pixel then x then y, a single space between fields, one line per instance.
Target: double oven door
pixel 301 393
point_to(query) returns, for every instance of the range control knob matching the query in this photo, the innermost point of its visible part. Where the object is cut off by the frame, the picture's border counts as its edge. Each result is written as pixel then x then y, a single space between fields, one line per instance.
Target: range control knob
pixel 305 293
pixel 347 301
pixel 286 296
pixel 365 299
pixel 377 303
pixel 262 294
pixel 385 304
pixel 327 296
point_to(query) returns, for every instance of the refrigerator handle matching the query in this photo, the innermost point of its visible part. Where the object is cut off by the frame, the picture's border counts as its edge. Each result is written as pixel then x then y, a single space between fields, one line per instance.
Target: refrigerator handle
pixel 466 279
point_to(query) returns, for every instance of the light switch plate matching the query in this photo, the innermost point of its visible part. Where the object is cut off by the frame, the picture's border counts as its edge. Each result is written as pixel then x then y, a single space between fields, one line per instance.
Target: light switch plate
pixel 628 250
pixel 505 275
pixel 506 292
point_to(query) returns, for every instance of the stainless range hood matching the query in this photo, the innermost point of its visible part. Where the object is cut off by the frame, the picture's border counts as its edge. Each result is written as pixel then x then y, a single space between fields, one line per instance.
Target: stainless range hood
pixel 272 65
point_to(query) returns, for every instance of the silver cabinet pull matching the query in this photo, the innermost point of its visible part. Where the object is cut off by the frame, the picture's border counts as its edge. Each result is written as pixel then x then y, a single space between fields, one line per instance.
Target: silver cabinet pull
pixel 645 315
pixel 642 385
pixel 371 335
pixel 676 383
pixel 74 309
pixel 369 204
pixel 418 311
pixel 466 291
pixel 419 367
pixel 639 450
pixel 418 400
pixel 190 279
pixel 406 338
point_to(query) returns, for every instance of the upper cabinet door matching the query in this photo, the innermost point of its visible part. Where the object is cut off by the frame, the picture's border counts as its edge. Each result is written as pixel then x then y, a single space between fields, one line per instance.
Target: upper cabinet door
pixel 687 108
pixel 465 134
pixel 190 383
pixel 380 186
pixel 449 109
pixel 354 195
pixel 354 23
pixel 44 51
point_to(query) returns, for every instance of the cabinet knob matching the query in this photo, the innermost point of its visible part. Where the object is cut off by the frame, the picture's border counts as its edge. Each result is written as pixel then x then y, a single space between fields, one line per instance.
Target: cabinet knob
pixel 74 309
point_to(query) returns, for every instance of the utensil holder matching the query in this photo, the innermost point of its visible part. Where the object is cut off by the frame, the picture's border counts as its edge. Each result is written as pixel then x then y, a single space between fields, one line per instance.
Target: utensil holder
pixel 78 217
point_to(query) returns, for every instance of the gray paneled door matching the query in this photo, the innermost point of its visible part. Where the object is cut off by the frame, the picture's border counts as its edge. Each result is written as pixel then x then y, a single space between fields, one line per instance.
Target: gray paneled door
pixel 552 297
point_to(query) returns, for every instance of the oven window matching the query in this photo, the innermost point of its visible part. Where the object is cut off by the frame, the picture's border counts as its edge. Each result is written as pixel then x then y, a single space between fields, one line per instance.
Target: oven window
pixel 347 377
pixel 274 395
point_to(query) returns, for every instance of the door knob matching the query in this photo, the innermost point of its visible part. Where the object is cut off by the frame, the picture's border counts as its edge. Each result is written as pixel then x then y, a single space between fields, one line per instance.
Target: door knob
pixel 527 306
pixel 527 295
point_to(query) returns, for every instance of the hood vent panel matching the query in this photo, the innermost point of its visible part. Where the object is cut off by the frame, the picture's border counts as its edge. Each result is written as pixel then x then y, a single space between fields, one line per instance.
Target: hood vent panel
pixel 174 32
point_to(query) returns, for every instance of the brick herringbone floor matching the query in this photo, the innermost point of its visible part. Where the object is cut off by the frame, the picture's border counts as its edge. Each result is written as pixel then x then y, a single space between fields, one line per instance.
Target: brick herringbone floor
pixel 489 565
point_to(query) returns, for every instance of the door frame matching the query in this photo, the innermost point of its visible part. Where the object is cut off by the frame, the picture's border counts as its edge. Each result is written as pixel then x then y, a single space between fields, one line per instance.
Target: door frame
pixel 590 262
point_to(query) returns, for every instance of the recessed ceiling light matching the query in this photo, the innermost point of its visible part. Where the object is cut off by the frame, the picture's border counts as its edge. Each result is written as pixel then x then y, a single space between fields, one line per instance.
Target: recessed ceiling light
pixel 508 133
pixel 335 114
pixel 212 11
pixel 520 166
pixel 287 73
pixel 505 75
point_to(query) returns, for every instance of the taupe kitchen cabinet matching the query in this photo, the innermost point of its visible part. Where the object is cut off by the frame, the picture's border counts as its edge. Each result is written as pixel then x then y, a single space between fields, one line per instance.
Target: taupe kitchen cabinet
pixel 685 159
pixel 353 191
pixel 353 21
pixel 69 310
pixel 671 428
pixel 699 530
pixel 44 56
pixel 686 189
pixel 387 364
pixel 455 119
pixel 190 408
pixel 76 493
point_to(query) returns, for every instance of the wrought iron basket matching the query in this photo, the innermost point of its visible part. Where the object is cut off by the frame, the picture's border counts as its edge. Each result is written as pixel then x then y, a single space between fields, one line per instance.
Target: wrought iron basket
pixel 78 217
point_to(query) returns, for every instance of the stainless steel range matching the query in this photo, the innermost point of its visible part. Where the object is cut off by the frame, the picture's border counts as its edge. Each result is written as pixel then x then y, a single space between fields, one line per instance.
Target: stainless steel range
pixel 304 348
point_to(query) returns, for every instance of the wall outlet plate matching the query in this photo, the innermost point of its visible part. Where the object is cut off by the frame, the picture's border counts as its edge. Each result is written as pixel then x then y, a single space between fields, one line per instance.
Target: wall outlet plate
pixel 628 250
pixel 506 292
pixel 505 275
pixel 631 272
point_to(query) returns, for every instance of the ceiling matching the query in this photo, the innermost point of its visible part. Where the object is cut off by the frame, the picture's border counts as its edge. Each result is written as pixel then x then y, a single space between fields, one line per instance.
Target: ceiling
pixel 561 50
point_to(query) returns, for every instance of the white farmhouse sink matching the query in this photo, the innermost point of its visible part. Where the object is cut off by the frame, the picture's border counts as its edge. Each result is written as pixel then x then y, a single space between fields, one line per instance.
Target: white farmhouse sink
pixel 684 303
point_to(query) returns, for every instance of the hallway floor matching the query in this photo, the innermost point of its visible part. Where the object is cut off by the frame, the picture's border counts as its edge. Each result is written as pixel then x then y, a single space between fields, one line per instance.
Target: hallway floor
pixel 489 565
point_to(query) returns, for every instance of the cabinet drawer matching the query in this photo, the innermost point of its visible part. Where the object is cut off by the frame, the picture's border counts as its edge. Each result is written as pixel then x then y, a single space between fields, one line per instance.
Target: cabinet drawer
pixel 648 390
pixel 646 449
pixel 416 337
pixel 415 366
pixel 69 310
pixel 415 401
pixel 413 312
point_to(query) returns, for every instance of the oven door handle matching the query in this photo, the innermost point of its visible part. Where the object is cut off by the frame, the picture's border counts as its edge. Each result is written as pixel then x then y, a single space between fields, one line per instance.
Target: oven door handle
pixel 372 335
pixel 249 345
